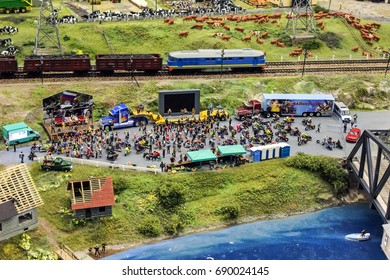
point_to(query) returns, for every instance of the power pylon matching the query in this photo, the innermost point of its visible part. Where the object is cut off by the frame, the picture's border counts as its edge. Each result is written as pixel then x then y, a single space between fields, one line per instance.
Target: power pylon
pixel 47 39
pixel 301 19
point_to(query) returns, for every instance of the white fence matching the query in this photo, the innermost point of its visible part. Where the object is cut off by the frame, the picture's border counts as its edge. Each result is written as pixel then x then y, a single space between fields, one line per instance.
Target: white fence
pixel 96 163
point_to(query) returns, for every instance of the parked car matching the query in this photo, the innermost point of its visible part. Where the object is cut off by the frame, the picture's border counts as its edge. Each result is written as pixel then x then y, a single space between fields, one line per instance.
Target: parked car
pixel 57 164
pixel 353 135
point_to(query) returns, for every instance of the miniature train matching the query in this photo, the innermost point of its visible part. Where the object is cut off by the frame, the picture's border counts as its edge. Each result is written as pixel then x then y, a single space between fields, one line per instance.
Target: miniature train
pixel 229 59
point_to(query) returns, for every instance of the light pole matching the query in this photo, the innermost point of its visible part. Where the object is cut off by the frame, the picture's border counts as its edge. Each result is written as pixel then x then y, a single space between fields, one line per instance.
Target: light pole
pixel 156 5
pixel 388 62
pixel 304 61
pixel 330 2
pixel 222 57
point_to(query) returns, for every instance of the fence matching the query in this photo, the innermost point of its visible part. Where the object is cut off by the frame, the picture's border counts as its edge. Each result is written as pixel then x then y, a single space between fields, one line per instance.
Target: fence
pixel 108 164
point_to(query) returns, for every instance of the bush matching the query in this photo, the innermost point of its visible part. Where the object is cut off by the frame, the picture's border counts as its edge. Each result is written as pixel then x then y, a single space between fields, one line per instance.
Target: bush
pixel 231 211
pixel 331 39
pixel 175 225
pixel 311 45
pixel 120 184
pixel 150 226
pixel 172 194
pixel 318 9
pixel 286 40
pixel 66 38
pixel 330 170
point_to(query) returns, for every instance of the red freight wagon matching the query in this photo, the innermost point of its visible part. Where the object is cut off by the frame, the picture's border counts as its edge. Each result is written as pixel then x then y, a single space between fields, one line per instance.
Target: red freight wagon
pixel 57 63
pixel 109 63
pixel 8 65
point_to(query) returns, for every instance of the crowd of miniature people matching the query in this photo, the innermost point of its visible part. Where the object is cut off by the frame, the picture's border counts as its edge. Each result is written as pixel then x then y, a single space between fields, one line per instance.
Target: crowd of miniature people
pixel 174 140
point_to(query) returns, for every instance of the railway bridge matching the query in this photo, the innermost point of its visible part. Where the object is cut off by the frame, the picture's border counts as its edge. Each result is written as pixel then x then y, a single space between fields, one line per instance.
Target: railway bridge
pixel 369 161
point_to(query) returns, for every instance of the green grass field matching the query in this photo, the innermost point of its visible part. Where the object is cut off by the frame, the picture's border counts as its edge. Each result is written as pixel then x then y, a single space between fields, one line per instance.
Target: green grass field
pixel 154 36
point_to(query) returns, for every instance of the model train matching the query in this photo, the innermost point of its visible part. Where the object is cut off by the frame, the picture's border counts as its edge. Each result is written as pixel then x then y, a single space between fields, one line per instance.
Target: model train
pixel 200 60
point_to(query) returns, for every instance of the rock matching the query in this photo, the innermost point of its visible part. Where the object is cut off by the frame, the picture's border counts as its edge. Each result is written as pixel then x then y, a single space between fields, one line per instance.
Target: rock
pixel 364 106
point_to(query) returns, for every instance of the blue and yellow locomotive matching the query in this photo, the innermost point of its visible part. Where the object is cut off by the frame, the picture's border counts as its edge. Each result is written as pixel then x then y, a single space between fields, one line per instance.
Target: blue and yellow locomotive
pixel 218 59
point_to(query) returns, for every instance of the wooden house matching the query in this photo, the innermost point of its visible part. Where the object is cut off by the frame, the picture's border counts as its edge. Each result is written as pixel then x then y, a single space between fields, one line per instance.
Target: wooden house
pixel 92 197
pixel 19 199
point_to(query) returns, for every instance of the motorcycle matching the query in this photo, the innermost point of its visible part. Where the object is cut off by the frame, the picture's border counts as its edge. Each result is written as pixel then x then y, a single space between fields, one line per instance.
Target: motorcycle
pixel 281 137
pixel 112 156
pixel 309 127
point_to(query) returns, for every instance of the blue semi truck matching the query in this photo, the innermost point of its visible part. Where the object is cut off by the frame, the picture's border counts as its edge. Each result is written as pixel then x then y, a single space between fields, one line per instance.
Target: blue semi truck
pixel 121 117
pixel 297 105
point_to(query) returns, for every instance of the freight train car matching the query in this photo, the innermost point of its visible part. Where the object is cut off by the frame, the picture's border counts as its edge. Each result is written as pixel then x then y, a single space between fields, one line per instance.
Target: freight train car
pixel 8 65
pixel 203 59
pixel 15 6
pixel 109 63
pixel 79 64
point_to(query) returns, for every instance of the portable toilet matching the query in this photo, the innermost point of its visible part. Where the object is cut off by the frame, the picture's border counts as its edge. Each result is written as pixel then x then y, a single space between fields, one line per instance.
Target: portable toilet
pixel 255 153
pixel 284 150
pixel 274 151
pixel 263 152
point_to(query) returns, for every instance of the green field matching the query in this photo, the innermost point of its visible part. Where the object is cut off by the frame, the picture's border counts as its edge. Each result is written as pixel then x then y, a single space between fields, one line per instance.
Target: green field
pixel 154 36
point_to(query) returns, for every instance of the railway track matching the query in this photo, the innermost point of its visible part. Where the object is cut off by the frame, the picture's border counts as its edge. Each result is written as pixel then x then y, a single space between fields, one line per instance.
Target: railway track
pixel 272 69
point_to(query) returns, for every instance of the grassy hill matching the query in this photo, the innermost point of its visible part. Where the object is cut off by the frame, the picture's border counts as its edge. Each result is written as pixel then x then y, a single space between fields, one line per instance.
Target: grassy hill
pixel 154 36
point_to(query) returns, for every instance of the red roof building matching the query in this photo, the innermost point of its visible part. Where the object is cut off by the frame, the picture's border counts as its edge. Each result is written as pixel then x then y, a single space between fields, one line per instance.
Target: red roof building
pixel 92 197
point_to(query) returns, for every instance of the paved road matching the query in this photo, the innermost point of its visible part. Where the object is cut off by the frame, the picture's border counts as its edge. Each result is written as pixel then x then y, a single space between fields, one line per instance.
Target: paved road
pixel 330 126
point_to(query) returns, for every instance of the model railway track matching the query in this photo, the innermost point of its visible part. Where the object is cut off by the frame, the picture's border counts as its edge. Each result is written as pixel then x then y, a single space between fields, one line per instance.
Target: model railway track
pixel 272 69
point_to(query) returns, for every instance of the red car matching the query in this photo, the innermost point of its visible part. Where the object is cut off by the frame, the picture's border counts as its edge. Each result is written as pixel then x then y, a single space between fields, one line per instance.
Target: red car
pixel 353 135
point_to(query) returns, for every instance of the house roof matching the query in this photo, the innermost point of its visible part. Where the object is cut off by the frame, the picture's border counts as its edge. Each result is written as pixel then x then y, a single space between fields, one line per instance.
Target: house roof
pixel 18 187
pixel 91 193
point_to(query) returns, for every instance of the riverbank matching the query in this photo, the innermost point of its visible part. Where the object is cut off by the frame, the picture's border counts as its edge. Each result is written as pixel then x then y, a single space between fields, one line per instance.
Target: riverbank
pixel 354 196
pixel 317 235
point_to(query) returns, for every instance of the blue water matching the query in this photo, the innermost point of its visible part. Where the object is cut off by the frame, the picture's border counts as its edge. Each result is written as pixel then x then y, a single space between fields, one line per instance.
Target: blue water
pixel 313 236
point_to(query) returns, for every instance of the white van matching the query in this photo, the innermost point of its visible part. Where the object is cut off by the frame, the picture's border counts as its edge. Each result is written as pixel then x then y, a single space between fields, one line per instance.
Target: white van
pixel 342 112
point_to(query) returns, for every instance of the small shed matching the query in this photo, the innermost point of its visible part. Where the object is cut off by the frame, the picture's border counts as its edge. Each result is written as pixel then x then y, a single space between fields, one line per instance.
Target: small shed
pixel 92 197
pixel 19 199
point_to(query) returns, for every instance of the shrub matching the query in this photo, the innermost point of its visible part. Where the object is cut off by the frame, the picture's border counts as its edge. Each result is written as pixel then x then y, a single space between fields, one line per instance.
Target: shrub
pixel 175 225
pixel 66 38
pixel 120 184
pixel 286 40
pixel 311 45
pixel 172 194
pixel 231 211
pixel 150 226
pixel 330 170
pixel 331 39
pixel 318 9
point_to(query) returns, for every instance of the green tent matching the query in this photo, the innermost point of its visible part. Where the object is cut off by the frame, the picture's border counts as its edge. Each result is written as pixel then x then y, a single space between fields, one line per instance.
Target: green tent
pixel 199 156
pixel 231 150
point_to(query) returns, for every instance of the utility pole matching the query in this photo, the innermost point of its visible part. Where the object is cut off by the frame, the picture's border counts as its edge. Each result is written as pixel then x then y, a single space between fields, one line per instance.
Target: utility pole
pixel 388 62
pixel 304 61
pixel 222 57
pixel 47 30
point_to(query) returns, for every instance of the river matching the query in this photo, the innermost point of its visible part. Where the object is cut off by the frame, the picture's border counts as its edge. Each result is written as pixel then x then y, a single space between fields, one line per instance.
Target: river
pixel 313 236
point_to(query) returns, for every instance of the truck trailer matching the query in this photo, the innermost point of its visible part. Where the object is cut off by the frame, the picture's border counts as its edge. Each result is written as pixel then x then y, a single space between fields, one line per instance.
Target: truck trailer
pixel 15 6
pixel 19 133
pixel 297 105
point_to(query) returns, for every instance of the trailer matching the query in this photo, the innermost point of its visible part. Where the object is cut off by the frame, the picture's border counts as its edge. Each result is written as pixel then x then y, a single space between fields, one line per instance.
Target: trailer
pixel 297 105
pixel 15 6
